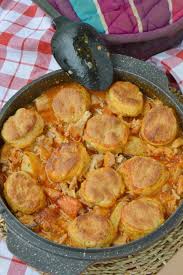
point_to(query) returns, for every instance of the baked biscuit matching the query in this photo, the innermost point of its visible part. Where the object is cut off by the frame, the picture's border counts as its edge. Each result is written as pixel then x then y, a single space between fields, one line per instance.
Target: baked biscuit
pixel 141 216
pixel 116 213
pixel 70 103
pixel 91 230
pixel 143 175
pixel 125 98
pixel 66 162
pixel 23 194
pixel 135 147
pixel 106 133
pixel 102 187
pixel 159 126
pixel 21 129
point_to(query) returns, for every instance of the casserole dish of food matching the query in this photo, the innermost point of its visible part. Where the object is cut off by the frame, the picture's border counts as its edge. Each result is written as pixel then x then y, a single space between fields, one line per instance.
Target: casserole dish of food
pixel 40 248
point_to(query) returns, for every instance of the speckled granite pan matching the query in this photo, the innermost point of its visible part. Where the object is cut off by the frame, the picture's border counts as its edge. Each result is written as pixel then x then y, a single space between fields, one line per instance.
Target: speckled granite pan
pixel 59 259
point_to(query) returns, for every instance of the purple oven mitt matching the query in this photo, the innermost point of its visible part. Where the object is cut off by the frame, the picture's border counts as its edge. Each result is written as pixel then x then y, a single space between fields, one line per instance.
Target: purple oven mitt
pixel 127 21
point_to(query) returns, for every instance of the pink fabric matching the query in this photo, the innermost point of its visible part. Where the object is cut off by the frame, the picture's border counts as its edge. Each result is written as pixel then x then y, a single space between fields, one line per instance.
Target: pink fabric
pixel 25 54
pixel 123 16
pixel 177 10
pixel 119 17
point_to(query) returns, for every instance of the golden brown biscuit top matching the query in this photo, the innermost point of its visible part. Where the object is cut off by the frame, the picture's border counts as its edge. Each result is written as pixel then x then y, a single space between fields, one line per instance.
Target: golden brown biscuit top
pixel 102 187
pixel 106 129
pixel 127 92
pixel 70 103
pixel 125 98
pixel 62 163
pixel 159 126
pixel 23 193
pixel 67 162
pixel 92 226
pixel 144 171
pixel 63 160
pixel 18 125
pixel 91 230
pixel 143 214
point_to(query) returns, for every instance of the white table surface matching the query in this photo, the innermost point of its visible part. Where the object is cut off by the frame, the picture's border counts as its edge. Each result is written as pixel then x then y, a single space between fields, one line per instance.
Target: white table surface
pixel 174 266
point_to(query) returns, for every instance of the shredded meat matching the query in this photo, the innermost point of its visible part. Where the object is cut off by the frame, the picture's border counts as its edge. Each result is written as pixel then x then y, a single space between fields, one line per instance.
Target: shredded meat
pixel 66 190
pixel 119 159
pixel 109 159
pixel 13 161
pixel 159 151
pixel 135 126
pixel 97 104
pixel 96 100
pixel 70 206
pixel 43 147
pixel 75 131
pixel 96 161
pixel 55 132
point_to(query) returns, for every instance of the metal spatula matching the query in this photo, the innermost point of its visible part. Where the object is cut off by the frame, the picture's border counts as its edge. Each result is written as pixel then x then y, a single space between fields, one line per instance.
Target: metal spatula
pixel 79 50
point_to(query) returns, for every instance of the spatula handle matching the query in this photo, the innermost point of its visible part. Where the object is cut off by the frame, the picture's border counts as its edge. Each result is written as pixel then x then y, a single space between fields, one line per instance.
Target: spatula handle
pixel 44 5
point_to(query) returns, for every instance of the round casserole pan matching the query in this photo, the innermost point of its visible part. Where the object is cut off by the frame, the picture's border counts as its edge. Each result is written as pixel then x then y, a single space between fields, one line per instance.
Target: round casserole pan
pixel 59 259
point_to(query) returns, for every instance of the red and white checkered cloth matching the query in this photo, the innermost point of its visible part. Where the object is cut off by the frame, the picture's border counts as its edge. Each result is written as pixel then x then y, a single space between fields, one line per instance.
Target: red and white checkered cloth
pixel 25 54
pixel 10 265
pixel 171 62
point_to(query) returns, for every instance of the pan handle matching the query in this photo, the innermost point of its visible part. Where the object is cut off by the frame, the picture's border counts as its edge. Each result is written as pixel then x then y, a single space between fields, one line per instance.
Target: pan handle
pixel 145 70
pixel 50 10
pixel 43 260
pixel 58 19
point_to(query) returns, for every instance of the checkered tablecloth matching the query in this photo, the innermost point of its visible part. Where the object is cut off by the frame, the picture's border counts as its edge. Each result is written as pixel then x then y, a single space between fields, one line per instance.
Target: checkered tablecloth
pixel 25 54
pixel 171 62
